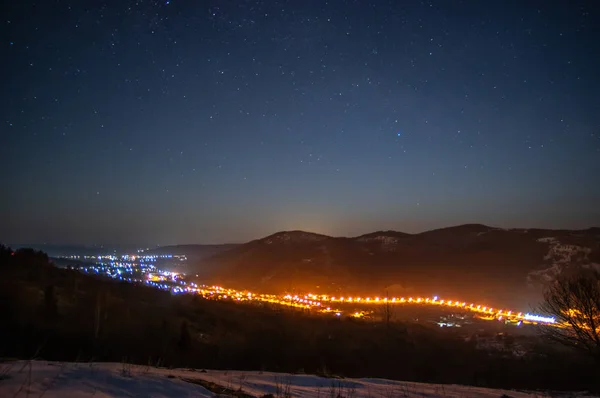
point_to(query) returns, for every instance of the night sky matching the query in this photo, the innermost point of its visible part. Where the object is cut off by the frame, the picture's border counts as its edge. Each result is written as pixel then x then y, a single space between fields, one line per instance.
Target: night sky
pixel 181 121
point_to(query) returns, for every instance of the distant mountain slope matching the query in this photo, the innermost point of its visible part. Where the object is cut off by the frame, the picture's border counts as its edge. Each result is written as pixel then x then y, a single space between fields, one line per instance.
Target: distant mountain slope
pixel 67 262
pixel 193 252
pixel 468 262
pixel 55 250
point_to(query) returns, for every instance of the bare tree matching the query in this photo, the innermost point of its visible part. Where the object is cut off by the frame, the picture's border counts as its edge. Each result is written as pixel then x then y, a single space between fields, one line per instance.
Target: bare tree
pixel 574 300
pixel 387 310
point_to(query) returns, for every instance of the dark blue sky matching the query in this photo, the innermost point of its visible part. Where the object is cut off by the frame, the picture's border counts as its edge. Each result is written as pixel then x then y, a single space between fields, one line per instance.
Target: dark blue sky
pixel 211 121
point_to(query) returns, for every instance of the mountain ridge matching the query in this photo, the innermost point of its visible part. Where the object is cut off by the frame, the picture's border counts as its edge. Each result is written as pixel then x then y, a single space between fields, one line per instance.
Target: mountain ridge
pixel 470 260
pixel 469 226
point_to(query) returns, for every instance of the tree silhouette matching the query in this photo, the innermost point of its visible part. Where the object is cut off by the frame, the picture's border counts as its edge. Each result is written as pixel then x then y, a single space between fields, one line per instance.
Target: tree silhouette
pixel 387 311
pixel 185 338
pixel 5 253
pixel 50 303
pixel 574 299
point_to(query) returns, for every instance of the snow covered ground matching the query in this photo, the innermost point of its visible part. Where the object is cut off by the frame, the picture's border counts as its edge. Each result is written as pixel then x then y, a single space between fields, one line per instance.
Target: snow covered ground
pixel 60 380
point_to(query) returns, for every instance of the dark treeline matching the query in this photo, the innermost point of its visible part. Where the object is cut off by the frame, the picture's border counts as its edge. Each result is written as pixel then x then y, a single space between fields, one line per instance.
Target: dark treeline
pixel 60 314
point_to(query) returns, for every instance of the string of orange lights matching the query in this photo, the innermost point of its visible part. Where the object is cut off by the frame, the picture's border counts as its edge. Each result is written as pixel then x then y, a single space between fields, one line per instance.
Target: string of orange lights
pixel 323 303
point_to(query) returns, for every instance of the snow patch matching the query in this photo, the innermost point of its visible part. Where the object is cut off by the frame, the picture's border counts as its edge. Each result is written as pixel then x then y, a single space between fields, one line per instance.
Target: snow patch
pixel 560 257
pixel 544 275
pixel 387 242
pixel 103 380
pixel 492 229
pixel 548 239
pixel 294 237
pixel 593 266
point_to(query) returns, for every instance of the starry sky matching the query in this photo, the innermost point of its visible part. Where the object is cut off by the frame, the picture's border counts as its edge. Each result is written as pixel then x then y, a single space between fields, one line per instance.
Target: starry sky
pixel 160 122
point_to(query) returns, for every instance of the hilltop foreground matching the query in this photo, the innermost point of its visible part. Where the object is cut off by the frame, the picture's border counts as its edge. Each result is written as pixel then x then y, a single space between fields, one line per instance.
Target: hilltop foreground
pixel 64 315
pixel 64 379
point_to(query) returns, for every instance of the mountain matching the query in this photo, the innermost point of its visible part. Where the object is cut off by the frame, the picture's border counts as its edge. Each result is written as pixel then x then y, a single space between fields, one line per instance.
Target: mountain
pixel 467 262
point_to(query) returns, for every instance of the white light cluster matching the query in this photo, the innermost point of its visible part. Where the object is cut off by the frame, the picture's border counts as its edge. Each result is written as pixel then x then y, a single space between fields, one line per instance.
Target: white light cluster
pixel 539 318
